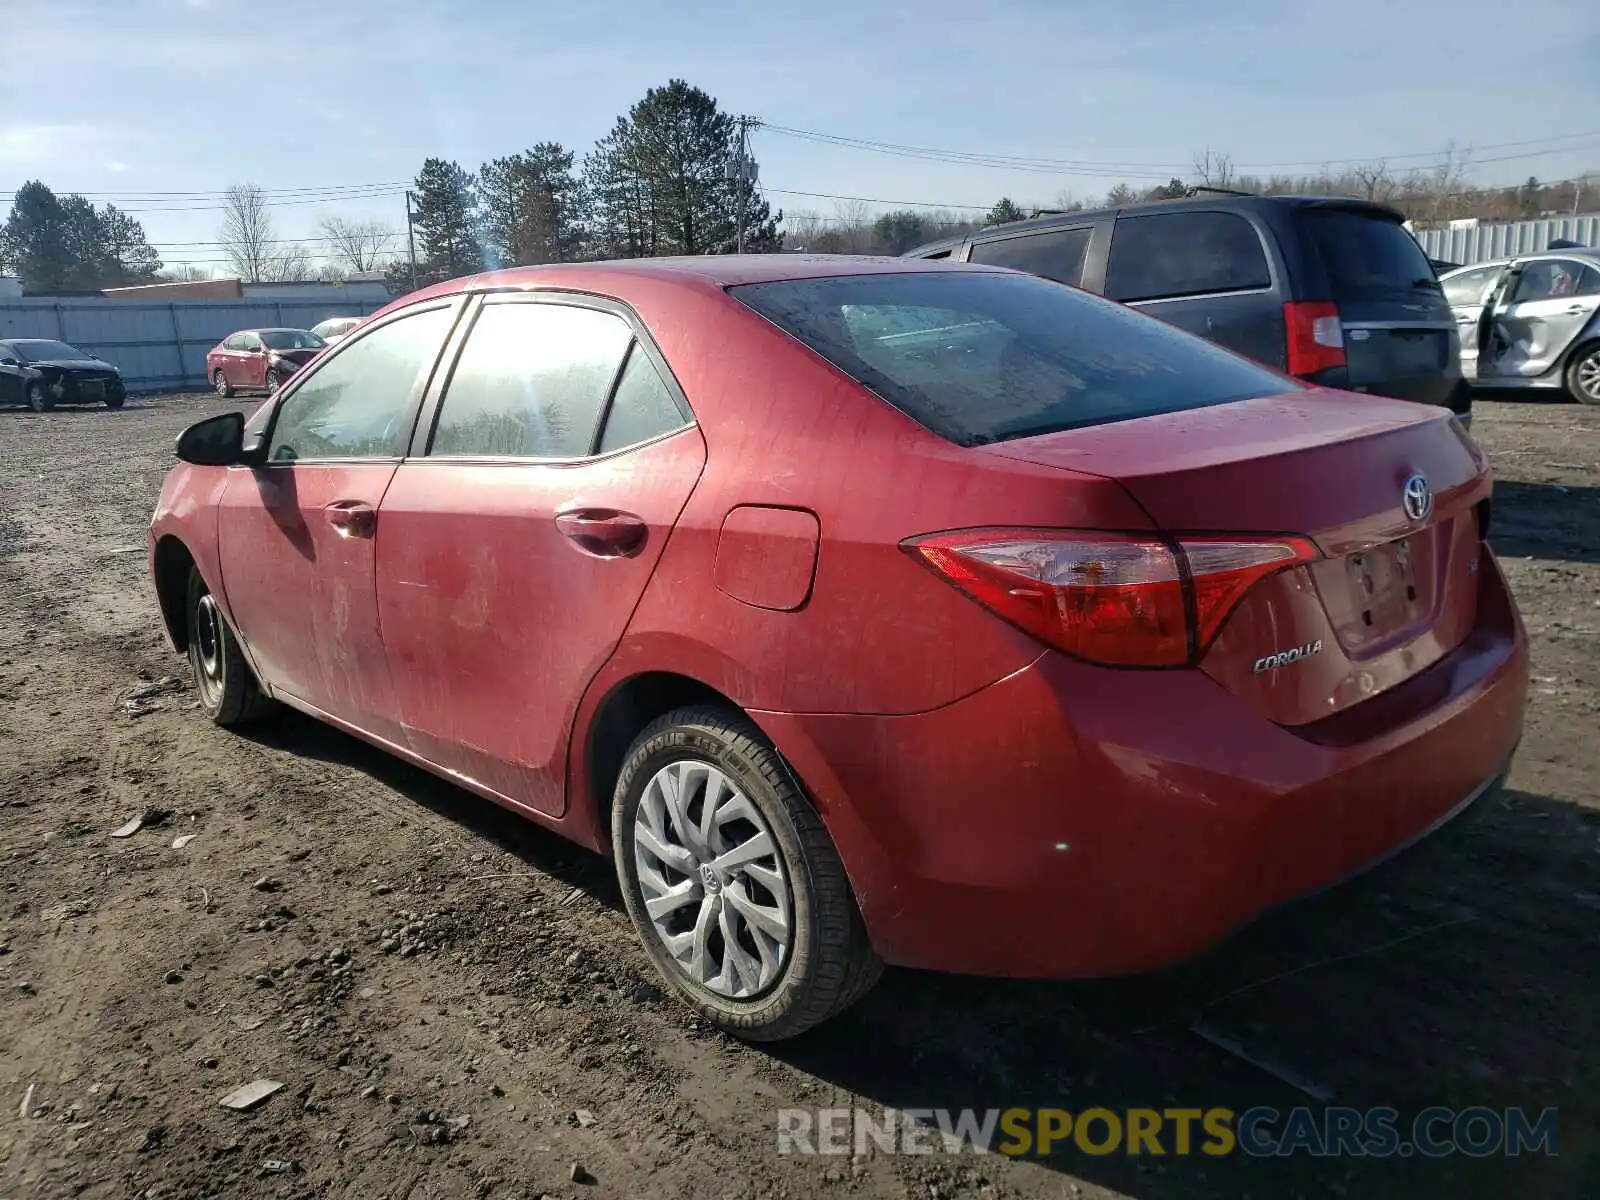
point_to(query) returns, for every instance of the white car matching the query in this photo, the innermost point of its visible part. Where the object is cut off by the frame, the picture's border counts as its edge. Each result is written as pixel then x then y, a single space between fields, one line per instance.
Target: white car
pixel 335 328
pixel 1542 327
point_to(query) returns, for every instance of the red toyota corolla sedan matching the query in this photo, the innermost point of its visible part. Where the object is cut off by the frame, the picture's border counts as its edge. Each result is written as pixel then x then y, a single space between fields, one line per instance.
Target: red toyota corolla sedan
pixel 863 610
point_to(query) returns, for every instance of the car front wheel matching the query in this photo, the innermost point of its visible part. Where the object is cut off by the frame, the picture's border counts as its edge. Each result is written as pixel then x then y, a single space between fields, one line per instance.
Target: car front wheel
pixel 227 688
pixel 731 879
pixel 39 398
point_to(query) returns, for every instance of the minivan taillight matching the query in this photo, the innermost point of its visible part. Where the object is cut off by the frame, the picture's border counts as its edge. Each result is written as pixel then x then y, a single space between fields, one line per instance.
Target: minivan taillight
pixel 1108 598
pixel 1314 336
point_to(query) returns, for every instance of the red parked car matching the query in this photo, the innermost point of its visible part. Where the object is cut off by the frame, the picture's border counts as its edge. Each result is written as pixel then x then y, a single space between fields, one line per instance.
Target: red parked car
pixel 863 610
pixel 259 360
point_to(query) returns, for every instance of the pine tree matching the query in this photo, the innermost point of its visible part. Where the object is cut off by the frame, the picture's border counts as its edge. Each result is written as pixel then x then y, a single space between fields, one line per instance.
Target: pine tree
pixel 446 223
pixel 130 258
pixel 1004 212
pixel 659 181
pixel 34 244
pixel 64 243
pixel 532 206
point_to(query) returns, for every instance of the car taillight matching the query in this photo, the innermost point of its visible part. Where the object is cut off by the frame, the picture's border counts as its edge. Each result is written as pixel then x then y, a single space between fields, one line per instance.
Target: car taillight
pixel 1112 599
pixel 1314 336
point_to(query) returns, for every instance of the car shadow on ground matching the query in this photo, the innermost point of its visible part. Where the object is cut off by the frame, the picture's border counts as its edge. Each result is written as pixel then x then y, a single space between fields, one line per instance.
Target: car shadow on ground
pixel 1462 973
pixel 541 849
pixel 1553 521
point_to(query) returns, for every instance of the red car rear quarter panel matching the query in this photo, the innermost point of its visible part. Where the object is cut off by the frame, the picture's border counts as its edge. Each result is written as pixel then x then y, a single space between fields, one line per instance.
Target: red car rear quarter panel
pixel 879 633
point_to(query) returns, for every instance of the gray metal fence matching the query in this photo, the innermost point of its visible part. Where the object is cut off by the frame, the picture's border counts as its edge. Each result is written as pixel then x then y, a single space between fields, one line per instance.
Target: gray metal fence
pixel 161 346
pixel 1482 243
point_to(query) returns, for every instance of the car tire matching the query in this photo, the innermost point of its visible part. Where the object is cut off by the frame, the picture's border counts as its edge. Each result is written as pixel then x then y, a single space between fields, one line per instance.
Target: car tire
pixel 766 990
pixel 115 401
pixel 226 687
pixel 220 383
pixel 274 381
pixel 39 397
pixel 1583 374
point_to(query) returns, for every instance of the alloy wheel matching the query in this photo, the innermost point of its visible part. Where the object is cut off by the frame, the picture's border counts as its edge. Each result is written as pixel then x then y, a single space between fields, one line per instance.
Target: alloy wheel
pixel 1588 376
pixel 713 882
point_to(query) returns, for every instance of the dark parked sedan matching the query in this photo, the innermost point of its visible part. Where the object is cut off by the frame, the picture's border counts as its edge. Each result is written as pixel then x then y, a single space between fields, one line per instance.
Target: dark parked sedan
pixel 42 374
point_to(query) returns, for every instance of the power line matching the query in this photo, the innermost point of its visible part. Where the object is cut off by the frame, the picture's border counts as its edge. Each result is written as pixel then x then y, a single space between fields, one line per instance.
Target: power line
pixel 222 195
pixel 1131 169
pixel 877 200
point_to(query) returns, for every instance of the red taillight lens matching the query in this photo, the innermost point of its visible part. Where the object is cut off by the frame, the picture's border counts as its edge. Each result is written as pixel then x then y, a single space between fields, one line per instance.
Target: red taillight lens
pixel 1314 337
pixel 1122 601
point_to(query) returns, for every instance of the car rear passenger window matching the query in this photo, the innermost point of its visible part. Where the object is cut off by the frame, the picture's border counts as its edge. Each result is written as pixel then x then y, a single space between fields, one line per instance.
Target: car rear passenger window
pixel 643 407
pixel 1184 254
pixel 530 382
pixel 1468 287
pixel 1055 254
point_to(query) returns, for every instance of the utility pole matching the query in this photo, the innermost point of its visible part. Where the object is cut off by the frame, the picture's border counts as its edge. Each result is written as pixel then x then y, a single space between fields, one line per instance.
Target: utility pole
pixel 411 241
pixel 742 170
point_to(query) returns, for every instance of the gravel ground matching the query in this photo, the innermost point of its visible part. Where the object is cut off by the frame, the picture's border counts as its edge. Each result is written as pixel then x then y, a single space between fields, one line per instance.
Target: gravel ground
pixel 455 1004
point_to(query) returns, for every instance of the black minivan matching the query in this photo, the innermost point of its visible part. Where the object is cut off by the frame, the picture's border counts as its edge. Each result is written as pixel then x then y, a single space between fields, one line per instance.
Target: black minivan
pixel 1334 291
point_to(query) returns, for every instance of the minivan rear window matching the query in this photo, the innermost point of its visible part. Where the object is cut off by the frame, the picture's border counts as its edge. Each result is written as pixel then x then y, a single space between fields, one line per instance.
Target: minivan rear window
pixel 981 357
pixel 1366 253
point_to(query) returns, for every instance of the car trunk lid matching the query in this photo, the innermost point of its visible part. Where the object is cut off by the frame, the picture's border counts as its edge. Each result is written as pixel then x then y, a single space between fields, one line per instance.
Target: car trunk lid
pixel 1393 592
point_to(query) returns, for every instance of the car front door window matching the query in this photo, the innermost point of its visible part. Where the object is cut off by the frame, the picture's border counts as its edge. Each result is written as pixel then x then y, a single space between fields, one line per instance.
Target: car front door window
pixel 354 405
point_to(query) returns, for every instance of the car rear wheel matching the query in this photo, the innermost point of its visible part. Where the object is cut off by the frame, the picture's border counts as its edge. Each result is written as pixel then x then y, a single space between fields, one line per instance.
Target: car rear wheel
pixel 220 382
pixel 731 879
pixel 228 691
pixel 115 401
pixel 1583 374
pixel 39 397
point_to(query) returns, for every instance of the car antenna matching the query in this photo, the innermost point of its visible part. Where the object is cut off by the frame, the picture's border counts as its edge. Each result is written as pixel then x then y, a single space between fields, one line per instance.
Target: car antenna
pixel 1195 189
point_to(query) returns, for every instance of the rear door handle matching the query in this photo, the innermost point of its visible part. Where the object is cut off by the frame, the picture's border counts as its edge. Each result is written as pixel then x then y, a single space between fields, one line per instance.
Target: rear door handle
pixel 1577 310
pixel 603 532
pixel 351 518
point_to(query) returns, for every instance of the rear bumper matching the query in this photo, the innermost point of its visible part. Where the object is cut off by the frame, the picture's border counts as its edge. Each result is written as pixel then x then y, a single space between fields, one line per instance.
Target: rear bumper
pixel 1074 821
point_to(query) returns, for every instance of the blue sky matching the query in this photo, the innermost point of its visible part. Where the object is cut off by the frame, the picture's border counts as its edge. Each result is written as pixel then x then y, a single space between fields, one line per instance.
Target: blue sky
pixel 115 97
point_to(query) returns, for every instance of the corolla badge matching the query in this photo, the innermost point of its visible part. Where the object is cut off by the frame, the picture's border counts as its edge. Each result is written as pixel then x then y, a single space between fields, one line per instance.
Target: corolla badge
pixel 1283 658
pixel 1417 497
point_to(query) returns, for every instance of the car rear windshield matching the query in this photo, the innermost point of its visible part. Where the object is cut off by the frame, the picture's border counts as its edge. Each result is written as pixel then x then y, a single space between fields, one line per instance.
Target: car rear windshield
pixel 981 357
pixel 1367 253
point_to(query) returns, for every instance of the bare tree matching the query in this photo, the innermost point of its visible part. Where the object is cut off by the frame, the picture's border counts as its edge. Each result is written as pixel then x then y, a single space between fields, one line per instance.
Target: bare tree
pixel 1443 184
pixel 184 273
pixel 1374 180
pixel 359 245
pixel 246 234
pixel 288 263
pixel 801 229
pixel 1214 168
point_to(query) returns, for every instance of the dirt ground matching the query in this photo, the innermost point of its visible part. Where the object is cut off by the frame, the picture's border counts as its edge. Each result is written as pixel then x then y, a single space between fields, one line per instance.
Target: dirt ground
pixel 517 1029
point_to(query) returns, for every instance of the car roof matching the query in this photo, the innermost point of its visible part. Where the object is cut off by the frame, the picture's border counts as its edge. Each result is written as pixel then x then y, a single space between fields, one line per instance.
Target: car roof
pixel 708 271
pixel 1207 201
pixel 1589 254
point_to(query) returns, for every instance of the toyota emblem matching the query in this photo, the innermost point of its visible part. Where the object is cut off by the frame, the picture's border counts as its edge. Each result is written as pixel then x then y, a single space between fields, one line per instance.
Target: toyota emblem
pixel 1417 497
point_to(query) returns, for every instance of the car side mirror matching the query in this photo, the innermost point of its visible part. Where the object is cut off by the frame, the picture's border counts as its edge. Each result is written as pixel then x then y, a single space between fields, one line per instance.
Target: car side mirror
pixel 8 361
pixel 215 442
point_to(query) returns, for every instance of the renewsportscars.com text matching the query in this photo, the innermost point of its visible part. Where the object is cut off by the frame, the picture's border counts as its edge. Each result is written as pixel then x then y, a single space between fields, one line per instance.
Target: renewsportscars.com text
pixel 1259 1132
